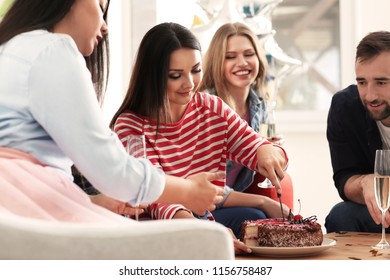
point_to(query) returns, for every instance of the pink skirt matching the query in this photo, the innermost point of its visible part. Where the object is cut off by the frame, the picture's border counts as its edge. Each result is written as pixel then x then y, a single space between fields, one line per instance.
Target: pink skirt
pixel 30 189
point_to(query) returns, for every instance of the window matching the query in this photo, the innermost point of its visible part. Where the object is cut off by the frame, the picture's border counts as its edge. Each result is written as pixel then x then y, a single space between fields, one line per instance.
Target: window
pixel 309 31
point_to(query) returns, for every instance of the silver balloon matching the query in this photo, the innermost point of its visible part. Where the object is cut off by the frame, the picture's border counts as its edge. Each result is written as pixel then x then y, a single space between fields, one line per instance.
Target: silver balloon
pixel 253 8
pixel 259 24
pixel 227 13
pixel 257 14
pixel 280 65
pixel 211 7
pixel 280 60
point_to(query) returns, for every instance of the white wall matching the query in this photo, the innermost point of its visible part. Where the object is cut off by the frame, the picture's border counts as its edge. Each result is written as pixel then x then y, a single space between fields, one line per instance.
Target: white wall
pixel 128 21
pixel 309 167
pixel 358 18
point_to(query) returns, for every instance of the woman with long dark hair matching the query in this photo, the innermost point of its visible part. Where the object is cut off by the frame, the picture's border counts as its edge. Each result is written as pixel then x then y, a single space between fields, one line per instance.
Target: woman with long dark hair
pixel 50 118
pixel 188 131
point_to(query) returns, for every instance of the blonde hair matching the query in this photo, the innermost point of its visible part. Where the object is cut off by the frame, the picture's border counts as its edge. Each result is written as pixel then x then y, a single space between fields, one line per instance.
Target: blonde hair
pixel 214 59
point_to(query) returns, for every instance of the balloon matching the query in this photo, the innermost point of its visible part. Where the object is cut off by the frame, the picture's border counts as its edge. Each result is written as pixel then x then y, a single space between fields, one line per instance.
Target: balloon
pixel 279 58
pixel 227 13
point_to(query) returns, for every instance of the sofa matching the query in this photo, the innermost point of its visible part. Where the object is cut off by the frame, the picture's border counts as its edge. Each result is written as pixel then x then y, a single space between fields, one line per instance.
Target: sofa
pixel 31 239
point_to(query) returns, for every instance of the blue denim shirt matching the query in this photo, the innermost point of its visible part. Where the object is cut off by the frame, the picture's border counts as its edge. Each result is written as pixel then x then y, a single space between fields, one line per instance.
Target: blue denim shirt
pixel 257 112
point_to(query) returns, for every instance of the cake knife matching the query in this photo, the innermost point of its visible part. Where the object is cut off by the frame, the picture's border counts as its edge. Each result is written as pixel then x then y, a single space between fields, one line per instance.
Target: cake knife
pixel 280 199
pixel 280 202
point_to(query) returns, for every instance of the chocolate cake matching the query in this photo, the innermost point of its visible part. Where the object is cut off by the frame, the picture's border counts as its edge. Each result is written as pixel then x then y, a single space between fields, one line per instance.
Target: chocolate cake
pixel 280 232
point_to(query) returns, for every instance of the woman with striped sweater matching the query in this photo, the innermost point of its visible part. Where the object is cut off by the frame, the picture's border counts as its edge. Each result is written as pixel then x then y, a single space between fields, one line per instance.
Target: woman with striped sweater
pixel 187 131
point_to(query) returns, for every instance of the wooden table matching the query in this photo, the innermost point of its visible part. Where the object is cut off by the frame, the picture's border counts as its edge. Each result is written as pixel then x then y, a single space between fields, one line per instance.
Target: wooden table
pixel 349 246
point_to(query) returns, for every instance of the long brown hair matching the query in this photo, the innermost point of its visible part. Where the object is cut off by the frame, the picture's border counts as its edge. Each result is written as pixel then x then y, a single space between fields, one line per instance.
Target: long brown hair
pixel 147 92
pixel 27 15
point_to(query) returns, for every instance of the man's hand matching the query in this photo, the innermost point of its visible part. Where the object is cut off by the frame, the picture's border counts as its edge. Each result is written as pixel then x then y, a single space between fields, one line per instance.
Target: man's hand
pixel 367 185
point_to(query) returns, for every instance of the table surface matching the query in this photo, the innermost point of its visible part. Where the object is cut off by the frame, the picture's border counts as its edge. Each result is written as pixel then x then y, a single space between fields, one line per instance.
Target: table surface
pixel 349 246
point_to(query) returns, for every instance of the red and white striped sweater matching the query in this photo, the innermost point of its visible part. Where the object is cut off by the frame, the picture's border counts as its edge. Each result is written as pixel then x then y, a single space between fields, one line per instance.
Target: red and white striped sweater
pixel 208 134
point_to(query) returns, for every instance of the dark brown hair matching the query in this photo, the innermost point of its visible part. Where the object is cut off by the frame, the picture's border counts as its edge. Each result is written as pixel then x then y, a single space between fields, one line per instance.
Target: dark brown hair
pixel 27 15
pixel 147 92
pixel 373 45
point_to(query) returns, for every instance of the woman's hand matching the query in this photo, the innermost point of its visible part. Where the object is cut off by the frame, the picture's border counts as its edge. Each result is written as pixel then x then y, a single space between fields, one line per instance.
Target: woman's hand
pixel 271 163
pixel 239 247
pixel 203 192
pixel 367 186
pixel 196 192
pixel 276 139
pixel 116 206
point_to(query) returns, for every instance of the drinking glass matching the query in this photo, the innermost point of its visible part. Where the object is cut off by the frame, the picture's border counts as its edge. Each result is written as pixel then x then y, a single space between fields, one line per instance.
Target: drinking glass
pixel 382 189
pixel 267 130
pixel 265 184
pixel 136 147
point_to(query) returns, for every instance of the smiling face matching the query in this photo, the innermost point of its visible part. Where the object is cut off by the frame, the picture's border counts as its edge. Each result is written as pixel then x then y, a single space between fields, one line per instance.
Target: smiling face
pixel 373 80
pixel 85 24
pixel 241 65
pixel 184 76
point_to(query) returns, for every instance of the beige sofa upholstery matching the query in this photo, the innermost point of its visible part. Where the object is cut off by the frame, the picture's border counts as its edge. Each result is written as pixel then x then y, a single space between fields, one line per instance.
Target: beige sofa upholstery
pixel 24 238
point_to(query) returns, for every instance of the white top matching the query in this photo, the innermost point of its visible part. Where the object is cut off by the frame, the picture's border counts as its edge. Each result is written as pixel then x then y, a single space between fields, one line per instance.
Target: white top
pixel 385 134
pixel 49 109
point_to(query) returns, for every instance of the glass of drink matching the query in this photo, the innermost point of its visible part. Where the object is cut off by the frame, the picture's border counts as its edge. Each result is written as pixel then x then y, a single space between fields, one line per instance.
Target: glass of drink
pixel 267 130
pixel 382 189
pixel 136 146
